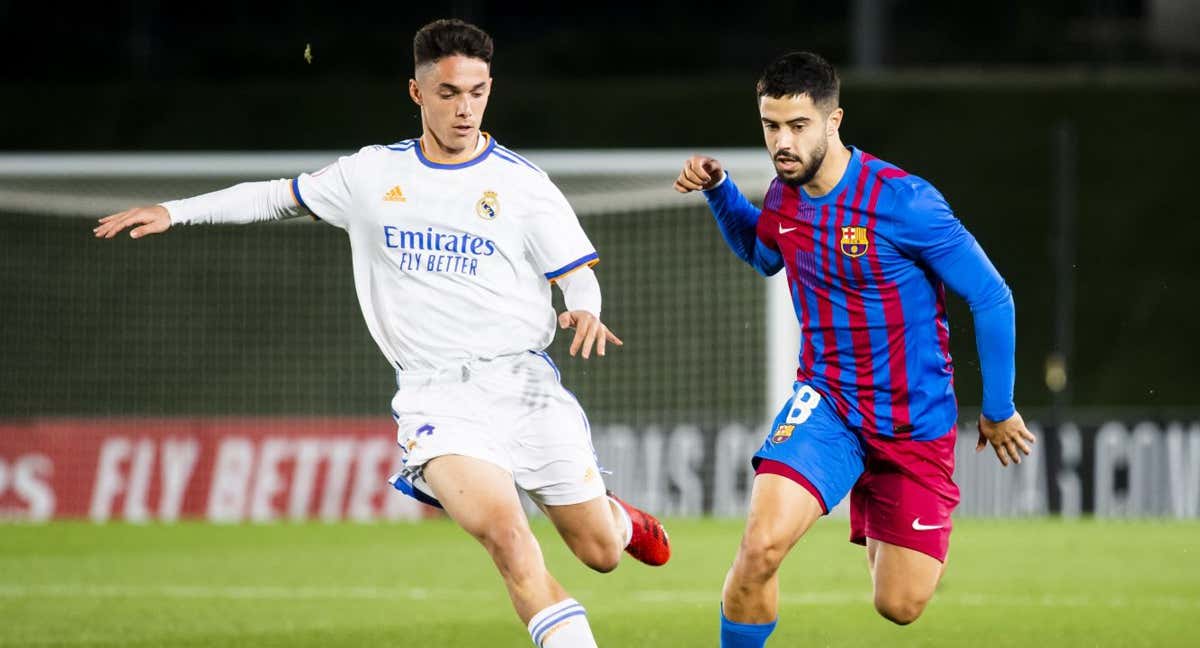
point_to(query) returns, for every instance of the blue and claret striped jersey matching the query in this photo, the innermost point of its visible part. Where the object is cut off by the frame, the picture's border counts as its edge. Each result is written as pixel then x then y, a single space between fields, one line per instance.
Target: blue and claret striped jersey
pixel 866 265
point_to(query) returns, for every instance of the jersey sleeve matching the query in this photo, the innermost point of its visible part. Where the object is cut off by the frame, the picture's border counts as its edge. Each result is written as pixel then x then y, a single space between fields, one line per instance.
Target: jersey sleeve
pixel 931 233
pixel 327 193
pixel 556 240
pixel 738 220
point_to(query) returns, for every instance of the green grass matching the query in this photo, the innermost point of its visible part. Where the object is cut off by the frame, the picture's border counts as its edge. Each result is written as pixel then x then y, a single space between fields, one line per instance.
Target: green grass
pixel 1010 583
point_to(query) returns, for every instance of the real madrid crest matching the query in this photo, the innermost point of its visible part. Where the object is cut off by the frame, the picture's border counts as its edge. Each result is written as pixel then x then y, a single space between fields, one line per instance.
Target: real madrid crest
pixel 488 206
pixel 854 241
pixel 782 433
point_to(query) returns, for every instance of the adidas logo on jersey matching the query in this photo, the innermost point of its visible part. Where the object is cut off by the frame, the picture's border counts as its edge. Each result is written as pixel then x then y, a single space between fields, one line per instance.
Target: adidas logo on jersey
pixel 395 194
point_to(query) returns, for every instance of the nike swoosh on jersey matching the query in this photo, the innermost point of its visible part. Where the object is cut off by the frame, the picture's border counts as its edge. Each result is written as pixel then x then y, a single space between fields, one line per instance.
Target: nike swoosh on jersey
pixel 917 526
pixel 785 230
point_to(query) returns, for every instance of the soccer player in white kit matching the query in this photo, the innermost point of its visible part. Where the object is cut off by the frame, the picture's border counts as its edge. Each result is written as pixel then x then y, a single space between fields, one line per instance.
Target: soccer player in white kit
pixel 455 241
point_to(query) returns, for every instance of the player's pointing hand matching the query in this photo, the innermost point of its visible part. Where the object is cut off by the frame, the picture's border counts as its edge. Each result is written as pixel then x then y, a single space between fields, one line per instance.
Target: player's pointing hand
pixel 152 219
pixel 589 331
pixel 699 173
pixel 1010 438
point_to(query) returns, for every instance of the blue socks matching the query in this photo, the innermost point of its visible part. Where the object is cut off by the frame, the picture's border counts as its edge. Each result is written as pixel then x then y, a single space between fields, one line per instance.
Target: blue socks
pixel 744 635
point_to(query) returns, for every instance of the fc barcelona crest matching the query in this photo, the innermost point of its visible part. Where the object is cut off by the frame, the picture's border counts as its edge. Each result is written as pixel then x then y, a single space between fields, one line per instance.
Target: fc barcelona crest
pixel 488 207
pixel 782 433
pixel 854 241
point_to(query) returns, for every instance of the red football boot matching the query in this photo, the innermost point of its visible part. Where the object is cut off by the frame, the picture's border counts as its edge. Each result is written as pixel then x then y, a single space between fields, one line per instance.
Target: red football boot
pixel 649 543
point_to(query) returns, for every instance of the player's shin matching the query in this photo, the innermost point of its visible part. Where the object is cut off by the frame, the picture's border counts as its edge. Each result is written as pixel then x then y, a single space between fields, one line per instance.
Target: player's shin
pixel 562 625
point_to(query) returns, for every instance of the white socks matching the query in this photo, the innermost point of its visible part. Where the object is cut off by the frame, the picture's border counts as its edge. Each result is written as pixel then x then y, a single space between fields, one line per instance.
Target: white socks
pixel 624 515
pixel 562 625
pixel 565 624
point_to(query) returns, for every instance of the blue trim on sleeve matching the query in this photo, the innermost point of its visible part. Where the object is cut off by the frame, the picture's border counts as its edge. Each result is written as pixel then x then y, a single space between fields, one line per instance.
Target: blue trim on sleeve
pixel 300 199
pixel 554 274
pixel 296 193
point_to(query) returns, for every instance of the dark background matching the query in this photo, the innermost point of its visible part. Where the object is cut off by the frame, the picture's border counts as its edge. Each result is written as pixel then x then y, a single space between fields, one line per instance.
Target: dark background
pixel 147 74
pixel 222 40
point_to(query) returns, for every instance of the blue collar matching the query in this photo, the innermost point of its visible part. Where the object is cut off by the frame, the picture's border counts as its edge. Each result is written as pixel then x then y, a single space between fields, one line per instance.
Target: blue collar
pixel 851 172
pixel 480 157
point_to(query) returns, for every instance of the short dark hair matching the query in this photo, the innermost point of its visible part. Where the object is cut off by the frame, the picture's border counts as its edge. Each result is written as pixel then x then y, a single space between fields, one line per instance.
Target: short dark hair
pixel 801 73
pixel 450 36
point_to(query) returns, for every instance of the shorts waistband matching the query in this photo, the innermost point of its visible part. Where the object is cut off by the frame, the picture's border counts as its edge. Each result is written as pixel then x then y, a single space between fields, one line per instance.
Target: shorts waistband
pixel 459 372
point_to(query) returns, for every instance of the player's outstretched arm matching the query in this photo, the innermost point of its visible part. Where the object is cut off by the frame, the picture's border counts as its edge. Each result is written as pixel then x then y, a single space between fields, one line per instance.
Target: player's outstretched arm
pixel 736 216
pixel 248 202
pixel 150 219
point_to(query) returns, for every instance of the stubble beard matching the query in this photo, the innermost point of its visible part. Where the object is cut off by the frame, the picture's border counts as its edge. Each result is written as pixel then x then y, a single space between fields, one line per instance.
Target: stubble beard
pixel 808 168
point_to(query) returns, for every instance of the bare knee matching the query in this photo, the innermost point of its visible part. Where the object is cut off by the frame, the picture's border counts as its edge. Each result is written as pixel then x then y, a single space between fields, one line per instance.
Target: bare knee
pixel 600 556
pixel 511 547
pixel 599 550
pixel 759 558
pixel 900 608
pixel 905 580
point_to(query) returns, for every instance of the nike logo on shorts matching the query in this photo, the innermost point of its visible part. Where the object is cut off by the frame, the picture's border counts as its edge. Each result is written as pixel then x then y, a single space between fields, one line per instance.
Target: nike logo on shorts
pixel 785 230
pixel 917 526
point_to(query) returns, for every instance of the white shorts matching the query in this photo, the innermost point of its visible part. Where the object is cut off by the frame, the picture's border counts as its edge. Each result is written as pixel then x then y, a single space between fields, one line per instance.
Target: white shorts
pixel 511 411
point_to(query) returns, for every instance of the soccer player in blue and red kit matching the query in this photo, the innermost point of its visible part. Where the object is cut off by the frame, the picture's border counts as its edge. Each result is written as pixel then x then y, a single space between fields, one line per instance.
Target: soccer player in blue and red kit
pixel 868 249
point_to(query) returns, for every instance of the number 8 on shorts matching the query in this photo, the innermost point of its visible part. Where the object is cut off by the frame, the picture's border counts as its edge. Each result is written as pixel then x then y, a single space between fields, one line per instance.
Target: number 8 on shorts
pixel 806 400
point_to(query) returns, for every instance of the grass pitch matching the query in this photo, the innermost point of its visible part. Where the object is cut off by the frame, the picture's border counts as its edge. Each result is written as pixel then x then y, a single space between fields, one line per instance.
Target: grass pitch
pixel 1010 583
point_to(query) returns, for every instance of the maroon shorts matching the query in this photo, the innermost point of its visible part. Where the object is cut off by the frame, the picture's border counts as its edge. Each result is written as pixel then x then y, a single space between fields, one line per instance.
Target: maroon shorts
pixel 906 494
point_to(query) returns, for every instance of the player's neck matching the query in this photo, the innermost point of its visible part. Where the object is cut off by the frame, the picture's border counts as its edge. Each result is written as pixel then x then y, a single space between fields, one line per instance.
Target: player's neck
pixel 435 150
pixel 831 171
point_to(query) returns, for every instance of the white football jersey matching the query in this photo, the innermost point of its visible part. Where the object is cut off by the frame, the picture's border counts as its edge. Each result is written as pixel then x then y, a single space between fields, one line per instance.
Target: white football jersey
pixel 452 262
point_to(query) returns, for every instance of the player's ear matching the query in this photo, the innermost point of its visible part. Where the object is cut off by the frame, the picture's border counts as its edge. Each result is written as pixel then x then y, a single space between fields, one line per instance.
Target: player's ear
pixel 834 121
pixel 414 91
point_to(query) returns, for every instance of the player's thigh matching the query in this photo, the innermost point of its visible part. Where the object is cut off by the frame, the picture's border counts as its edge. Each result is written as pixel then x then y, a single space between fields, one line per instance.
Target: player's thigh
pixel 903 576
pixel 781 512
pixel 477 494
